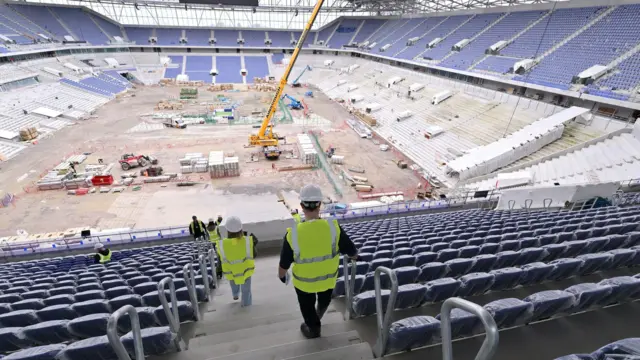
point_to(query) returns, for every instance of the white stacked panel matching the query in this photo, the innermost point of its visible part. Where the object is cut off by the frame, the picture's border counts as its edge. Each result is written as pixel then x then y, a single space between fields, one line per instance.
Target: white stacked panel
pixel 232 166
pixel 307 150
pixel 216 164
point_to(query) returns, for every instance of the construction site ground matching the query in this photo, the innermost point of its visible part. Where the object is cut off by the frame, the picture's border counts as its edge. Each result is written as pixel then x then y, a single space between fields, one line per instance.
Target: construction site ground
pixel 116 129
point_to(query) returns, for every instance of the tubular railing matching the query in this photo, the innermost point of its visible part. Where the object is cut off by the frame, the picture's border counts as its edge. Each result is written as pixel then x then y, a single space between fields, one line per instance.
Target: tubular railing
pixel 349 273
pixel 190 279
pixel 171 312
pixel 114 339
pixel 383 316
pixel 205 275
pixel 213 259
pixel 490 343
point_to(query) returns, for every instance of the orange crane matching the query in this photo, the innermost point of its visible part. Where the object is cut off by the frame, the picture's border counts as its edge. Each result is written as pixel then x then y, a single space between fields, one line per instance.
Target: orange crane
pixel 265 136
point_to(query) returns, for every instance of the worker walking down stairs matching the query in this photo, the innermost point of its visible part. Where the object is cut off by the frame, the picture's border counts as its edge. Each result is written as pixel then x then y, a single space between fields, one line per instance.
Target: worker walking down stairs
pixel 313 247
pixel 236 253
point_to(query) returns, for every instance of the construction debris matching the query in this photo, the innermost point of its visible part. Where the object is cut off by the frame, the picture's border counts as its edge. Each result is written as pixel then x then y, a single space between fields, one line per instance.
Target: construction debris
pixel 28 134
pixel 357 170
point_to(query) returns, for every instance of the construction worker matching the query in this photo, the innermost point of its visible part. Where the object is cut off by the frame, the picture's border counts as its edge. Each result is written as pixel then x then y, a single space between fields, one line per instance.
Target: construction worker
pixel 236 253
pixel 312 248
pixel 296 216
pixel 103 255
pixel 197 228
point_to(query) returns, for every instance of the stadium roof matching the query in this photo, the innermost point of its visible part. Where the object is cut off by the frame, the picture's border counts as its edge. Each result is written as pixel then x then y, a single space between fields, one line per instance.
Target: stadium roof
pixel 285 14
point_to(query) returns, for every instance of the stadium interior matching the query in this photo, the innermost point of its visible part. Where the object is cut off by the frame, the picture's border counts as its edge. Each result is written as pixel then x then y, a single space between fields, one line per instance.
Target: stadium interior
pixel 482 155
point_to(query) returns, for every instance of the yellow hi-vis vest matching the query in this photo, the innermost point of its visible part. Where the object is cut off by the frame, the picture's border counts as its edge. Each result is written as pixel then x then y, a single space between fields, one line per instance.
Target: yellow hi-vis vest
pixel 213 235
pixel 315 255
pixel 199 227
pixel 236 257
pixel 104 258
pixel 297 218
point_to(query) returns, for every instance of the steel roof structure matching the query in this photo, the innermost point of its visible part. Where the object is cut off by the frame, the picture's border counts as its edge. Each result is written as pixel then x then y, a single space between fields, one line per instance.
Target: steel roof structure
pixel 270 14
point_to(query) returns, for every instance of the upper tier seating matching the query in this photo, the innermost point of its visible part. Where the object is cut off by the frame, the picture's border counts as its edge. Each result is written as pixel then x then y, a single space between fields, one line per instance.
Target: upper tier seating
pixel 45 303
pixel 621 349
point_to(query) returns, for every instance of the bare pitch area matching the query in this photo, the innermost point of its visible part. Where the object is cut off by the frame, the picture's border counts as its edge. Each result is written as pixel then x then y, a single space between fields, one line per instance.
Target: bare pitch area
pixel 115 129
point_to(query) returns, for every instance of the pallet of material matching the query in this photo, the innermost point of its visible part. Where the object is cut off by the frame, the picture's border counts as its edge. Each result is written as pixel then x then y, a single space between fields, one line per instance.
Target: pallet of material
pixel 28 134
pixel 295 167
pixel 84 182
pixel 156 179
pixel 216 164
pixel 231 166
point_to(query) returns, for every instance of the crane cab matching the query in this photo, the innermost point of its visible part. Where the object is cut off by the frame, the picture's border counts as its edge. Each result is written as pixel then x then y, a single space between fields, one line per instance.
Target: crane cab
pixel 272 152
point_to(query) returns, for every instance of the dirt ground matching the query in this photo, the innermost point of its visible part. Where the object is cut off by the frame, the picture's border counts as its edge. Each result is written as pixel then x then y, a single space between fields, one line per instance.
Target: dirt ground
pixel 107 135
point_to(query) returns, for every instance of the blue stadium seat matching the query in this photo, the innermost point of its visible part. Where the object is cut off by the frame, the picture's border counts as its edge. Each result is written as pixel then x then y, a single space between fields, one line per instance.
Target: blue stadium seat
pixel 183 295
pixel 91 348
pixel 403 260
pixel 369 282
pixel 489 248
pixel 506 278
pixel 588 295
pixel 549 303
pixel 620 258
pixel 35 294
pixel 410 295
pixel 507 258
pixel 413 332
pixel 115 292
pixel 48 332
pixel 120 301
pixel 554 251
pixel 155 341
pixel 89 295
pixel 384 254
pixel 185 313
pixel 10 298
pixel 594 262
pixel 425 258
pixel 483 263
pixel 18 318
pixel 469 251
pixel 30 304
pixel 463 323
pixel 364 304
pixel 376 263
pixel 441 289
pixel 138 280
pixel 407 274
pixel 510 312
pixel 12 339
pixel 109 284
pixel 145 315
pixel 431 271
pixel 57 312
pixel 629 346
pixel 624 288
pixel 564 268
pixel 475 284
pixel 92 307
pixel 145 287
pixel 62 290
pixel 339 289
pixel 46 352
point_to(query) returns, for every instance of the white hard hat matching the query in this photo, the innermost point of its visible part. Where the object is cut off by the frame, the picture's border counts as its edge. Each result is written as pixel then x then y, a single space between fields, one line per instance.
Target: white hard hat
pixel 98 246
pixel 311 193
pixel 210 219
pixel 233 224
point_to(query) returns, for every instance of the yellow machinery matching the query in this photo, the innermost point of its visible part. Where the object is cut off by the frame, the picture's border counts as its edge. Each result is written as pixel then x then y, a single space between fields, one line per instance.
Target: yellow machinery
pixel 265 136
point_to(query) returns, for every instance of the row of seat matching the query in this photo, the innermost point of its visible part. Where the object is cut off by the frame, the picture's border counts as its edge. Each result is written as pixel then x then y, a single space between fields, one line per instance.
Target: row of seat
pixel 621 349
pixel 419 331
pixel 471 284
pixel 522 267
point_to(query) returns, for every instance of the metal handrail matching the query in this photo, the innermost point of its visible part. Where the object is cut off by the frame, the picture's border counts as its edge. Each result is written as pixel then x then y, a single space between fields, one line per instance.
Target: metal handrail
pixel 213 259
pixel 349 285
pixel 114 339
pixel 384 317
pixel 546 201
pixel 490 343
pixel 172 313
pixel 527 204
pixel 190 279
pixel 205 275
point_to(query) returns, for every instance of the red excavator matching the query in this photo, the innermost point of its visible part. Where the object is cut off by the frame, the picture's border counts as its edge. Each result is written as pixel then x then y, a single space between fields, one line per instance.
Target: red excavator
pixel 129 161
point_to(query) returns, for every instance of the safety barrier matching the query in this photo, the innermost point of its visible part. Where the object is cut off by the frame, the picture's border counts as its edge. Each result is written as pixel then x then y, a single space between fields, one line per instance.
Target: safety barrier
pixel 383 317
pixel 114 339
pixel 173 318
pixel 490 343
pixel 190 279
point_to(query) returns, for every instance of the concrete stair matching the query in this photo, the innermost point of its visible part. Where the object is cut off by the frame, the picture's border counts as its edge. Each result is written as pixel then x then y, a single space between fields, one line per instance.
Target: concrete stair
pixel 269 329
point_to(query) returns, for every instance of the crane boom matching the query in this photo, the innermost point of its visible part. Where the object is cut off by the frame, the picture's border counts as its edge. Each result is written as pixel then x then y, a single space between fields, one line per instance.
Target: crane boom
pixel 287 72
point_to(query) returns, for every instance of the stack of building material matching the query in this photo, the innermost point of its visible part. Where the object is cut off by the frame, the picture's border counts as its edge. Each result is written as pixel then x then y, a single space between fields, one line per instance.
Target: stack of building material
pixel 216 164
pixel 231 166
pixel 193 162
pixel 77 183
pixel 77 159
pixel 157 179
pixel 337 159
pixel 53 180
pixel 28 134
pixel 308 153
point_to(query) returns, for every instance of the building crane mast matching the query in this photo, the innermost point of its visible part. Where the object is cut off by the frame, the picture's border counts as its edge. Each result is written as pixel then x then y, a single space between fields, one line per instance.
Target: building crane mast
pixel 265 136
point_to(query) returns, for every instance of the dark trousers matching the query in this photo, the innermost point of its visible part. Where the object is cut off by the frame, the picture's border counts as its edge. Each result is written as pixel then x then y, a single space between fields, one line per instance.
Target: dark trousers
pixel 307 302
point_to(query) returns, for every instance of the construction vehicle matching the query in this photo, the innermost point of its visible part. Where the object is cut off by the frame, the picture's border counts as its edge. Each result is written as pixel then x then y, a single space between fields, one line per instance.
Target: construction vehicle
pixel 152 171
pixel 330 152
pixel 268 138
pixel 129 161
pixel 294 104
pixel 295 82
pixel 272 152
pixel 176 124
pixel 309 94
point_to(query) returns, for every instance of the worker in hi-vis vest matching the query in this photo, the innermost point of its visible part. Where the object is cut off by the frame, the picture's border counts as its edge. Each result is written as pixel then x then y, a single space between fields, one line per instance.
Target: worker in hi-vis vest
pixel 103 255
pixel 296 216
pixel 236 253
pixel 197 228
pixel 312 249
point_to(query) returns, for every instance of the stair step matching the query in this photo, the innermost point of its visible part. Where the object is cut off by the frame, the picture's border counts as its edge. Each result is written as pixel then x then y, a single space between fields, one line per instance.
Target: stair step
pixel 277 351
pixel 199 347
pixel 213 326
pixel 360 351
pixel 203 337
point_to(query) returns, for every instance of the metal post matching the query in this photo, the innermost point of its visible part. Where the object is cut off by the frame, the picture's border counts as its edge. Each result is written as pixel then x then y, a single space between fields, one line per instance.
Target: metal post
pixel 213 259
pixel 546 203
pixel 190 280
pixel 114 339
pixel 527 204
pixel 205 276
pixel 511 204
pixel 171 313
pixel 384 317
pixel 348 286
pixel 490 343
